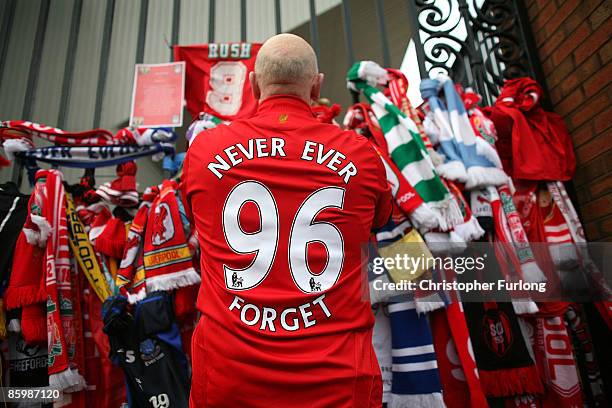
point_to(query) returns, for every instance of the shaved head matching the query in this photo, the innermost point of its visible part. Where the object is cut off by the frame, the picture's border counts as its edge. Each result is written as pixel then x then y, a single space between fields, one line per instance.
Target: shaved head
pixel 286 65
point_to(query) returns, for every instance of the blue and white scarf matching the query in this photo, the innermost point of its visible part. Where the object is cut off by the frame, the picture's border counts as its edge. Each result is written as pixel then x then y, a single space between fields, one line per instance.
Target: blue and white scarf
pixel 86 157
pixel 416 381
pixel 468 159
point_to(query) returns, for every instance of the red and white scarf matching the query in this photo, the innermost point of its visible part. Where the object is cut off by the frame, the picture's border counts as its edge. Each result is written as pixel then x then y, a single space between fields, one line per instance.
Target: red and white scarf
pixel 458 372
pixel 555 360
pixel 26 130
pixel 122 190
pixel 167 258
pixel 46 228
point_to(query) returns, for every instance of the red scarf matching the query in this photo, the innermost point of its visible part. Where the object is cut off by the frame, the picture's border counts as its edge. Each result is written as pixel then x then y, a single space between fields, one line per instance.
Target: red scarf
pixel 555 360
pixel 45 275
pixel 542 148
pixel 167 258
pixel 26 289
pixel 60 313
pixel 130 275
pixel 456 364
pixel 17 129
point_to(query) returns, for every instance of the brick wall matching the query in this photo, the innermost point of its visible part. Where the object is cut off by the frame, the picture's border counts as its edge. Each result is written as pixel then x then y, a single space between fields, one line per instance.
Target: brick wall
pixel 572 38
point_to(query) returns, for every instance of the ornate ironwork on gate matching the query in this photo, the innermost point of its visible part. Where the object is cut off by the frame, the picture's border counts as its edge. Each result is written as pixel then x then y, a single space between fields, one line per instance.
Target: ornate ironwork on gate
pixel 479 43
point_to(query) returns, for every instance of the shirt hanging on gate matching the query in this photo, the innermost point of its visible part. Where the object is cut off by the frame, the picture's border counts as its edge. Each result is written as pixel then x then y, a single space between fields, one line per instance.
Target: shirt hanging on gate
pixel 217 79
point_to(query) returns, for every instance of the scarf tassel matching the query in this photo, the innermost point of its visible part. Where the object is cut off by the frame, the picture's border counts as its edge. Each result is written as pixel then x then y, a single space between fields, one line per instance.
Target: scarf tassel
pixel 448 213
pixel 453 170
pixel 532 272
pixel 424 218
pixel 68 380
pixel 433 400
pixel 524 306
pixel 511 381
pixel 21 296
pixel 478 177
pixel 429 303
pixel 468 231
pixel 39 237
pixel 134 298
pixel 173 280
pixel 564 255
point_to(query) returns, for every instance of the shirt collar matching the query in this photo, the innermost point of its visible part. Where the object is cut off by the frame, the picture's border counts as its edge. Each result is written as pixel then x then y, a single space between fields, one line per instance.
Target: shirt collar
pixel 285 104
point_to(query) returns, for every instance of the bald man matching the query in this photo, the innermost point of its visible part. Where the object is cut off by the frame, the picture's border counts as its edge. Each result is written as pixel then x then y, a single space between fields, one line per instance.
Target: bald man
pixel 283 206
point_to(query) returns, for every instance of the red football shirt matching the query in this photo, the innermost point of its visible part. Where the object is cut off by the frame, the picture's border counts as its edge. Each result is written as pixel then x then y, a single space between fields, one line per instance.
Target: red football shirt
pixel 283 206
pixel 217 78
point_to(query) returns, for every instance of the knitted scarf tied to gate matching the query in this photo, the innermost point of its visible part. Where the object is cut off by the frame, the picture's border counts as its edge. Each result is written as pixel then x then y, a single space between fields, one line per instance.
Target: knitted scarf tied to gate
pixel 45 275
pixel 416 381
pixel 404 144
pixel 468 159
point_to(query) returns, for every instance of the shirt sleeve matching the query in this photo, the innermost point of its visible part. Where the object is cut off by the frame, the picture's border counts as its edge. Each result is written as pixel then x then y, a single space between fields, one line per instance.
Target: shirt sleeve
pixel 384 201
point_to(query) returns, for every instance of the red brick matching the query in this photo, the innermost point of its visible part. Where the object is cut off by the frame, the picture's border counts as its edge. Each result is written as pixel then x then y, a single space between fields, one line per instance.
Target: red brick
pixel 578 75
pixel 545 14
pixel 597 208
pixel 585 172
pixel 554 95
pixel 605 52
pixel 559 72
pixel 602 121
pixel 583 134
pixel 591 231
pixel 561 14
pixel 600 15
pixel 532 10
pixel 551 44
pixel 570 102
pixel 579 15
pixel 583 195
pixel 605 227
pixel 600 186
pixel 592 43
pixel 594 148
pixel 607 158
pixel 578 36
pixel 601 78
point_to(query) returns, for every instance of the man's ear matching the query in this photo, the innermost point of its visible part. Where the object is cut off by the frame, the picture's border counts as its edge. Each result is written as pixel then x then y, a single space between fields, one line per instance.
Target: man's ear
pixel 315 91
pixel 254 85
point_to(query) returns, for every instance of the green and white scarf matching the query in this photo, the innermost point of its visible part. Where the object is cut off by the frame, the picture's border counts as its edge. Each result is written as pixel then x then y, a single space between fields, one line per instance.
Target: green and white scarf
pixel 405 145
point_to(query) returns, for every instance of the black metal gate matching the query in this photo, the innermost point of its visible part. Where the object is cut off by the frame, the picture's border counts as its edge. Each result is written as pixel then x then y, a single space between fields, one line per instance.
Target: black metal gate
pixel 478 43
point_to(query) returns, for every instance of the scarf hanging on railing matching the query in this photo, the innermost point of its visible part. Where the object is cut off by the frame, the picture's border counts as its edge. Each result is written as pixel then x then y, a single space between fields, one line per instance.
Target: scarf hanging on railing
pixel 504 362
pixel 416 381
pixel 563 202
pixel 84 253
pixel 406 148
pixel 122 190
pixel 458 370
pixel 130 279
pixel 556 362
pixel 360 118
pixel 469 158
pixel 26 288
pixel 46 276
pixel 167 259
pixel 22 129
pixel 87 157
pixel 593 385
pixel 398 91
